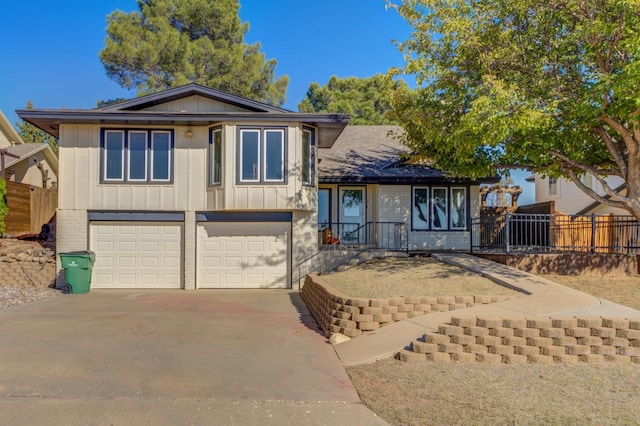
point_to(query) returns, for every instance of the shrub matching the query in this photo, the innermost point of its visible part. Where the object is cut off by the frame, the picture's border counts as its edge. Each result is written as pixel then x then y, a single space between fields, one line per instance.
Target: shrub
pixel 3 204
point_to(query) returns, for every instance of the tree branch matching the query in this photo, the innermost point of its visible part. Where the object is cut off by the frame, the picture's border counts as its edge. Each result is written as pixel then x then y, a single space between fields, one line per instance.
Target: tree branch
pixel 599 198
pixel 614 150
pixel 627 136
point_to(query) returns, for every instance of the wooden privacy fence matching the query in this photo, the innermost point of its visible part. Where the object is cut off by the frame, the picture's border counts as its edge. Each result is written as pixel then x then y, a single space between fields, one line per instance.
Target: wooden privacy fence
pixel 29 208
pixel 534 233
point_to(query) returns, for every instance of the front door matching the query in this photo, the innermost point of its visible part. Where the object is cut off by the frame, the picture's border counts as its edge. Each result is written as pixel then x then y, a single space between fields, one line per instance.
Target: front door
pixel 352 214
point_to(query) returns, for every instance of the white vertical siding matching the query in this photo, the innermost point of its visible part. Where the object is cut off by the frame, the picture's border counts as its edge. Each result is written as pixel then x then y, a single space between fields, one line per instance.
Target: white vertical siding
pixel 195 104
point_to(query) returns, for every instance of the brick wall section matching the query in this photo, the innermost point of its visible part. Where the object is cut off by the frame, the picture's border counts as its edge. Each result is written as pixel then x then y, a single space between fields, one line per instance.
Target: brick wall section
pixel 336 312
pixel 530 340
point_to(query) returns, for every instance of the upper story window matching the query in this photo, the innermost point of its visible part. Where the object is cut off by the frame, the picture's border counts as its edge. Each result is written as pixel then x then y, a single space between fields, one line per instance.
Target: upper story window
pixel 215 157
pixel 261 155
pixel 308 161
pixel 439 208
pixel 136 155
pixel 553 186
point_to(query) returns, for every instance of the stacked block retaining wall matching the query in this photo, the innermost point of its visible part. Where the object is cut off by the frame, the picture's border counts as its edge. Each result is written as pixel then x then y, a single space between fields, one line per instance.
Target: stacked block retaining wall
pixel 530 340
pixel 336 312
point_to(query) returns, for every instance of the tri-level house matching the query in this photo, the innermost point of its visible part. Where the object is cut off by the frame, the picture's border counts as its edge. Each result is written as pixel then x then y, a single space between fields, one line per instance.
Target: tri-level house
pixel 189 188
pixel 196 188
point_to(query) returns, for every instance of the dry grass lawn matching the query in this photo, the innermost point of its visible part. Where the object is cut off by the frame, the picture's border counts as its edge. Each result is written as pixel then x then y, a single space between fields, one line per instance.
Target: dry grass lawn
pixel 412 276
pixel 622 290
pixel 488 394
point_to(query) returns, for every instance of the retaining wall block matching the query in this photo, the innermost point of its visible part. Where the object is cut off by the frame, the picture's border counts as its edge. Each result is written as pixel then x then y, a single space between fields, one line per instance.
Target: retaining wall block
pixel 618 323
pixel 475 349
pixel 539 323
pixel 514 323
pixel 489 358
pixel 628 351
pixel 450 348
pixel 351 332
pixel 564 322
pixel 476 331
pixel 438 307
pixel 463 321
pixel 334 328
pixel 378 303
pixel 408 356
pixel 540 359
pixel 396 301
pixel 368 325
pixel 464 299
pixel 634 343
pixel 567 359
pixel 350 309
pixel 540 342
pixel 406 307
pixel 436 338
pixel 424 348
pixel 592 358
pixel 489 322
pixel 578 350
pixel 481 299
pixel 446 300
pixel 463 340
pixel 590 341
pixel 552 332
pixel 501 332
pixel 347 323
pixel 514 359
pixel 635 359
pixel 489 340
pixel 450 330
pixel 422 307
pixel 428 300
pixel 604 350
pixel 369 310
pixel 514 341
pixel 343 315
pixel 359 302
pixel 615 341
pixel 589 322
pixel 501 350
pixel 390 309
pixel 361 317
pixel 628 334
pixel 414 314
pixel 411 300
pixel 553 350
pixel 463 357
pixel 456 306
pixel 383 318
pixel 526 350
pixel 578 332
pixel 603 332
pixel 634 324
pixel 618 359
pixel 439 357
pixel 527 333
pixel 399 316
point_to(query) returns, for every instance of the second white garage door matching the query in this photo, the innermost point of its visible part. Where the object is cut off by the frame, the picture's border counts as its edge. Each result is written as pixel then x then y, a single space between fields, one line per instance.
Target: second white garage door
pixel 243 255
pixel 137 254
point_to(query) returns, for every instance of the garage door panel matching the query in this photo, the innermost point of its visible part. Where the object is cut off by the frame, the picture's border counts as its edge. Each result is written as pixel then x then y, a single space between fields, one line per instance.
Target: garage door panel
pixel 137 254
pixel 242 255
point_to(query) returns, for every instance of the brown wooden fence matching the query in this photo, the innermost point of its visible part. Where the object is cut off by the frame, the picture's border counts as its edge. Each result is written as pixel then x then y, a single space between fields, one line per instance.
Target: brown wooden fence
pixel 29 208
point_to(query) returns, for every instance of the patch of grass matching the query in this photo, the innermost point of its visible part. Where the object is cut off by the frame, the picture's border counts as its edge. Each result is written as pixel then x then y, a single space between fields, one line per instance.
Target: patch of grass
pixel 499 394
pixel 412 276
pixel 619 289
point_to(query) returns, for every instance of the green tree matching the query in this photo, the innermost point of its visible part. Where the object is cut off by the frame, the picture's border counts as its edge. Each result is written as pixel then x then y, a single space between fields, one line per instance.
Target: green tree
pixel 31 134
pixel 3 204
pixel 169 43
pixel 548 85
pixel 367 100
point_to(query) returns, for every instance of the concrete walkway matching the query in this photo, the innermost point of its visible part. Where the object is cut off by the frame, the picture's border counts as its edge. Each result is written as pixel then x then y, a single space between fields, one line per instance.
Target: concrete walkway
pixel 543 298
pixel 172 358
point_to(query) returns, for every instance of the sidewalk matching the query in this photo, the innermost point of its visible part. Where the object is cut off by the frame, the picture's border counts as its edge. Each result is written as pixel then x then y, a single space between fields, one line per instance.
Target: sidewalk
pixel 543 298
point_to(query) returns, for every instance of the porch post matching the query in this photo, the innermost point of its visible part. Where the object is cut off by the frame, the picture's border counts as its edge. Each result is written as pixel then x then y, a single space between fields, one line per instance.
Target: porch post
pixel 507 231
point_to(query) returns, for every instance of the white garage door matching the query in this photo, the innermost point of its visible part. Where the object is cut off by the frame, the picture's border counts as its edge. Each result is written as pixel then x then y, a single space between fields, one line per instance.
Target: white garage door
pixel 243 255
pixel 137 254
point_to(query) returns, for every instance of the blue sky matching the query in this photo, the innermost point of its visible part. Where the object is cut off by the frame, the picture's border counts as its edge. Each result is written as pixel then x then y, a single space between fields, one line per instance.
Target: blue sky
pixel 50 48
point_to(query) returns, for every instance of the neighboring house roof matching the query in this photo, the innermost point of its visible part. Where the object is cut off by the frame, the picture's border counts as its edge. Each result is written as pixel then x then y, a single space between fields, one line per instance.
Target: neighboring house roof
pixel 595 204
pixel 370 154
pixel 133 113
pixel 26 150
pixel 9 132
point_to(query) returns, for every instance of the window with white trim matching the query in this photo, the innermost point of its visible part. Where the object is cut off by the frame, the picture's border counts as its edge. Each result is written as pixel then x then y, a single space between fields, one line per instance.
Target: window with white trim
pixel 215 157
pixel 134 155
pixel 262 155
pixel 553 186
pixel 439 208
pixel 308 160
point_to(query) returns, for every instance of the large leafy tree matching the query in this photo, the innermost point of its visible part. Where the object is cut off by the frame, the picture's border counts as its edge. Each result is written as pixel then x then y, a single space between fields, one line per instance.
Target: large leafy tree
pixel 367 99
pixel 168 43
pixel 548 85
pixel 31 134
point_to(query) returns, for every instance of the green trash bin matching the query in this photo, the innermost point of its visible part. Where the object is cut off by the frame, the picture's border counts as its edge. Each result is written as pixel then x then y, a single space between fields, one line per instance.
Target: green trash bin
pixel 77 267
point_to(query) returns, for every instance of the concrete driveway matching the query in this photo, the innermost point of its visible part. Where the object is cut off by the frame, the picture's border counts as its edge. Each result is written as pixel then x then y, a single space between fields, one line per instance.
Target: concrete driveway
pixel 171 357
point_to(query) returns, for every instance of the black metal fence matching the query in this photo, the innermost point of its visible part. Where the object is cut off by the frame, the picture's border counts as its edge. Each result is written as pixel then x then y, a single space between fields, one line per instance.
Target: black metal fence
pixel 554 233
